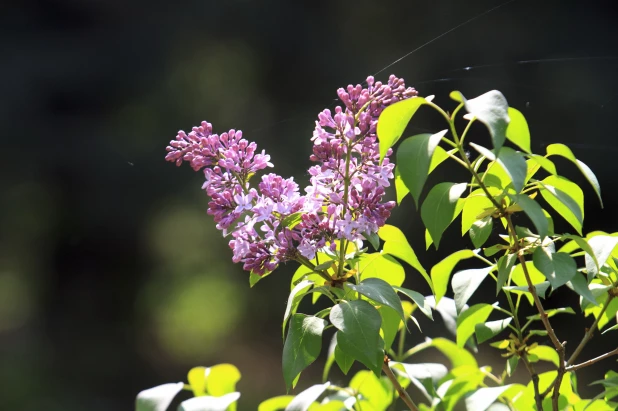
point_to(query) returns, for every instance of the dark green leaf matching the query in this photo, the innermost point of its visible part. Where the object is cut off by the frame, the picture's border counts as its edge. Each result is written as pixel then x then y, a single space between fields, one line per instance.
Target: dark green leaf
pixel 359 325
pixel 380 292
pixel 394 120
pixel 373 239
pixel 414 158
pixel 505 265
pixel 541 289
pixel 302 346
pixel 419 300
pixel 480 231
pixel 511 161
pixel 485 331
pixel 558 268
pixel 440 208
pixel 579 284
pixel 466 282
pixel 344 361
pixel 294 299
pixel 517 131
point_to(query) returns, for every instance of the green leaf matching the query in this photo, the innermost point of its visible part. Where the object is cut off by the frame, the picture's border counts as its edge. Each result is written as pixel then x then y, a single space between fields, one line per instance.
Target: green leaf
pixel 482 398
pixel 396 244
pixel 303 401
pixel 579 284
pixel 255 278
pixel 209 403
pixel 511 161
pixel 157 398
pixel 222 379
pixel 459 357
pixel 485 331
pixel 577 241
pixel 545 353
pixel 536 162
pixel 425 376
pixel 566 198
pixel 414 158
pixel 302 346
pixel 373 239
pixel 197 380
pixel 400 187
pixel 344 361
pixel 376 390
pixel 466 282
pixel 612 328
pixel 475 206
pixel 558 268
pixel 517 131
pixel 292 220
pixel 441 272
pixel 467 321
pixel 439 155
pixel 294 299
pixel 390 325
pixel 534 212
pixel 394 120
pixel 419 300
pixel 440 208
pixel 490 109
pixel 550 313
pixel 380 292
pixel 541 289
pixel 505 265
pixel 359 323
pixel 276 403
pixel 385 267
pixel 564 151
pixel 480 231
pixel 602 247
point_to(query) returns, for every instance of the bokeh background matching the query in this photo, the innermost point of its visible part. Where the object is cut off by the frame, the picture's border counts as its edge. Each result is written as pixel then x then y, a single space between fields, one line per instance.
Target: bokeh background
pixel 113 278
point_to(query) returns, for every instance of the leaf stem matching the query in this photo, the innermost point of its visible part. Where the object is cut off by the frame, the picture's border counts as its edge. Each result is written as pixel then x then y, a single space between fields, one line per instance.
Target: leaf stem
pixel 403 394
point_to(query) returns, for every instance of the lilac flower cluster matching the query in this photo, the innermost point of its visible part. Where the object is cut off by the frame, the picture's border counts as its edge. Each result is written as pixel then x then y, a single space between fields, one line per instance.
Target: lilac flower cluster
pixel 344 200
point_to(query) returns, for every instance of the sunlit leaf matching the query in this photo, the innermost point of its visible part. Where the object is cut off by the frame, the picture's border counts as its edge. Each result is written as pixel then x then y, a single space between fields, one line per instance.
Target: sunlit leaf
pixel 157 398
pixel 303 401
pixel 468 319
pixel 440 208
pixel 485 331
pixel 458 356
pixel 294 299
pixel 475 207
pixel 466 282
pixel 480 231
pixel 394 120
pixel 545 353
pixel 276 403
pixel 517 131
pixel 390 325
pixel 377 390
pixel 482 398
pixel 385 267
pixel 302 346
pixel 551 312
pixel 222 379
pixel 566 198
pixel 400 187
pixel 396 244
pixel 197 380
pixel 564 151
pixel 511 161
pixel 209 403
pixel 414 158
pixel 490 109
pixel 441 272
pixel 602 247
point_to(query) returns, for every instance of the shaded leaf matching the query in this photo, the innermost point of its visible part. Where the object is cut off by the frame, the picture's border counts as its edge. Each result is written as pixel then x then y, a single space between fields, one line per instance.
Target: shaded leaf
pixel 558 268
pixel 419 300
pixel 440 208
pixel 480 231
pixel 380 292
pixel 534 212
pixel 302 346
pixel 505 265
pixel 485 331
pixel 511 161
pixel 467 321
pixel 466 282
pixel 579 284
pixel 294 299
pixel 344 361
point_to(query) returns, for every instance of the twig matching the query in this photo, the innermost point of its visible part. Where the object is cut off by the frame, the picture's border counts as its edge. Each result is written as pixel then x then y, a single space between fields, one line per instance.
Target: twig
pixel 402 393
pixel 589 333
pixel 592 361
pixel 535 381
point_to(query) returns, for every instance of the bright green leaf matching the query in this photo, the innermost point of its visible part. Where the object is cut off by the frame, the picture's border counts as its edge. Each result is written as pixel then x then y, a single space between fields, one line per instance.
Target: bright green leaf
pixel 292 220
pixel 551 312
pixel 414 158
pixel 222 379
pixel 439 155
pixel 385 267
pixel 475 205
pixel 440 208
pixel 517 131
pixel 558 268
pixel 466 282
pixel 376 390
pixel 566 198
pixel 458 356
pixel 541 289
pixel 197 380
pixel 276 403
pixel 390 325
pixel 396 244
pixel 380 292
pixel 441 272
pixel 302 346
pixel 394 120
pixel 564 151
pixel 467 321
pixel 400 186
pixel 485 331
pixel 359 325
pixel 545 353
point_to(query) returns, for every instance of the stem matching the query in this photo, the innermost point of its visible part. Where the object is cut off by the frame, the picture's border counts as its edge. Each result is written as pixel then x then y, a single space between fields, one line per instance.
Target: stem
pixel 589 333
pixel 310 265
pixel 592 361
pixel 403 394
pixel 535 381
pixel 346 187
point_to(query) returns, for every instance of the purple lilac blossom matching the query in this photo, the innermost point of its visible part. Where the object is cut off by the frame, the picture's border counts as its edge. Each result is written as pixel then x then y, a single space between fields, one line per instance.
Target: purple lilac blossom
pixel 254 217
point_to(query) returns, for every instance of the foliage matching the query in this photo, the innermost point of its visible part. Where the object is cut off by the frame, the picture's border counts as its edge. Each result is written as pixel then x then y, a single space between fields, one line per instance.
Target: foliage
pixel 329 232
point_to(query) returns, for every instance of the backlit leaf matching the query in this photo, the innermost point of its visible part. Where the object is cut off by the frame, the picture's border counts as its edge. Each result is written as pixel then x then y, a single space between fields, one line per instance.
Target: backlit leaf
pixel 467 321
pixel 396 244
pixel 303 401
pixel 517 131
pixel 566 198
pixel 441 272
pixel 394 120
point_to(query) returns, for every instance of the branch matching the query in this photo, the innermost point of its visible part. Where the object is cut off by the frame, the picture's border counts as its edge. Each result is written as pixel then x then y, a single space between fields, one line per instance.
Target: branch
pixel 535 382
pixel 589 333
pixel 402 393
pixel 592 361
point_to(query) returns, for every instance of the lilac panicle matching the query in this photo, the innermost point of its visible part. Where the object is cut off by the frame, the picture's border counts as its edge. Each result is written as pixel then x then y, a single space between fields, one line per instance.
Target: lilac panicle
pixel 344 200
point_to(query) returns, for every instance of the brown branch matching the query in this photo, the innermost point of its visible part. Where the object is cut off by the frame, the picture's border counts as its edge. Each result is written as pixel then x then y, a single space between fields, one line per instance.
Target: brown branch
pixel 535 381
pixel 403 394
pixel 592 361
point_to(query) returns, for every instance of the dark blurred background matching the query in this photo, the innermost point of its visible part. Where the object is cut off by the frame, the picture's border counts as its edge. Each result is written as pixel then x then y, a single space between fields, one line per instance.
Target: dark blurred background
pixel 112 277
